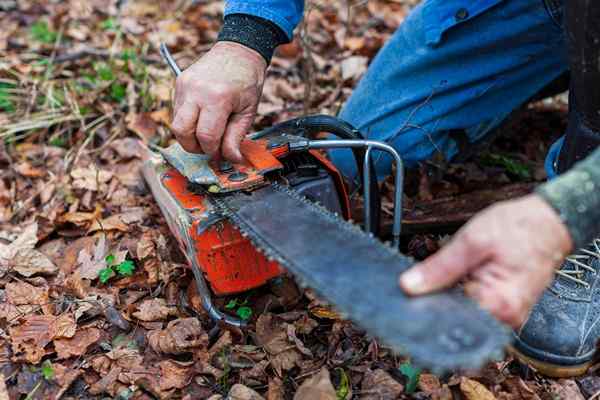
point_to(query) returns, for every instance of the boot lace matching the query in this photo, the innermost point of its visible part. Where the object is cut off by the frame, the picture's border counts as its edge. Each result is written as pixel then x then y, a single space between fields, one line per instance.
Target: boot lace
pixel 577 264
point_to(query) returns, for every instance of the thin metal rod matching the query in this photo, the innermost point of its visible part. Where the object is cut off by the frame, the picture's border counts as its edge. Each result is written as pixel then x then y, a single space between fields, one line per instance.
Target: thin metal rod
pixel 366 188
pixel 166 55
pixel 399 179
pixel 201 286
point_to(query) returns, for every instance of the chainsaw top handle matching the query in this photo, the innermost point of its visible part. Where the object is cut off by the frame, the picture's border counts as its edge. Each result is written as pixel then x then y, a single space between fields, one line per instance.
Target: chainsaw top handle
pixel 310 125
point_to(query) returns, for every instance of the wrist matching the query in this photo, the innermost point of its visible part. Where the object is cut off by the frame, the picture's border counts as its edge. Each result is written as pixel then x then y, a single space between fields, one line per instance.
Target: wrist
pixel 256 33
pixel 241 51
pixel 549 221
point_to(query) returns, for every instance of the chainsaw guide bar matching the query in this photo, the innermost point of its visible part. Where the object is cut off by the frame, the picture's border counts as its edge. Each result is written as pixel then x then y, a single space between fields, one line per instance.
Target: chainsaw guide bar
pixel 358 274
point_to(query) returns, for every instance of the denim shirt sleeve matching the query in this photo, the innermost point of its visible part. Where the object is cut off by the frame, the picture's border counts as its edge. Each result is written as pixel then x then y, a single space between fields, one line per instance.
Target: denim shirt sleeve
pixel 441 15
pixel 284 13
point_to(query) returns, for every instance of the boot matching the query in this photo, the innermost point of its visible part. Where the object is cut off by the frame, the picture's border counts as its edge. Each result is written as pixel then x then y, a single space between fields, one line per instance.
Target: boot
pixel 560 335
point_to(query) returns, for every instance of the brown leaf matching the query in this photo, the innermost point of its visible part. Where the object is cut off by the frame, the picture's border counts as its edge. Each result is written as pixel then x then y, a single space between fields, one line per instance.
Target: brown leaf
pixel 275 391
pixel 473 390
pixel 127 148
pixel 142 125
pixel 565 389
pixel 325 312
pixel 107 383
pixel 241 392
pixel 90 178
pixel 25 241
pixel 118 222
pixel 29 339
pixel 180 336
pixel 174 375
pixel 28 298
pixel 3 390
pixel 154 310
pixel 379 385
pixel 90 265
pixel 318 387
pixel 353 67
pixel 271 333
pixel 26 169
pixel 78 344
pixel 428 383
pixel 29 262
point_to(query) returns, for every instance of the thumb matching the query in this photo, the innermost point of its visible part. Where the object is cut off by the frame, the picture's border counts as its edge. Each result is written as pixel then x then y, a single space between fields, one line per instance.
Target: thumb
pixel 444 268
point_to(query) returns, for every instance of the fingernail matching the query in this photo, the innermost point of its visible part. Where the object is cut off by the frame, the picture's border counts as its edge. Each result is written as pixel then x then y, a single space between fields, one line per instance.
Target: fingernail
pixel 412 281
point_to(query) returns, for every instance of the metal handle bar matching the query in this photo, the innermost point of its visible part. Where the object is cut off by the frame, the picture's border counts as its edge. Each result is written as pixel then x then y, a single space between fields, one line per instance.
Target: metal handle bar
pixel 369 145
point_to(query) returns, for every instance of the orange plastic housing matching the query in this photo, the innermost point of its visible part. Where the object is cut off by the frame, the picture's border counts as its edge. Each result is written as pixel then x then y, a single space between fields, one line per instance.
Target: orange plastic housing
pixel 230 262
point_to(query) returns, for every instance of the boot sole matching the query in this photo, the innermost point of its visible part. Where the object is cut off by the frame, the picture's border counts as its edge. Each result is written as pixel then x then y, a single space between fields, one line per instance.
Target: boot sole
pixel 549 369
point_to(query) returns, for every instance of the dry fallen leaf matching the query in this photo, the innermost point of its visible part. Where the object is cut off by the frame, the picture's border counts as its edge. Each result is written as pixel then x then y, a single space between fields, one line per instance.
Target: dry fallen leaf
pixel 154 310
pixel 180 336
pixel 317 387
pixel 473 390
pixel 174 375
pixel 90 178
pixel 25 241
pixel 565 389
pixel 271 333
pixel 28 298
pixel 78 344
pixel 241 392
pixel 379 385
pixel 29 262
pixel 30 338
pixel 118 222
pixel 353 67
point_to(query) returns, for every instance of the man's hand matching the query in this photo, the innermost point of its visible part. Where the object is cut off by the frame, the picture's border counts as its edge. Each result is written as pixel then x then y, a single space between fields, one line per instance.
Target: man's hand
pixel 216 100
pixel 508 252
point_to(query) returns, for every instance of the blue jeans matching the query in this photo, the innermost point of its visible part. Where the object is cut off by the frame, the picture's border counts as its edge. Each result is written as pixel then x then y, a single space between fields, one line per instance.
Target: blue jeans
pixel 444 70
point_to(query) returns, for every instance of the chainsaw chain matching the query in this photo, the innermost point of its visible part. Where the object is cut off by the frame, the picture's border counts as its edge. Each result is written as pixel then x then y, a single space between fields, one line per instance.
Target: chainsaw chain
pixel 224 208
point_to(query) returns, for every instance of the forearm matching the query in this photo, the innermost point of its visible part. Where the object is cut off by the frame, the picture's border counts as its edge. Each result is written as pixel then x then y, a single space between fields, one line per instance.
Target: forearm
pixel 575 195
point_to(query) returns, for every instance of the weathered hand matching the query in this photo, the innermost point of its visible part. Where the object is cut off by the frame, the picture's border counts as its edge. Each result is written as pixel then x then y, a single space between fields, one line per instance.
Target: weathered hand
pixel 216 100
pixel 508 253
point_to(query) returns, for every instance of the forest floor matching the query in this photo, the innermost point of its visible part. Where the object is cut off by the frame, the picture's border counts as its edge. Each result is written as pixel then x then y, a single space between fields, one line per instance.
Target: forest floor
pixel 95 298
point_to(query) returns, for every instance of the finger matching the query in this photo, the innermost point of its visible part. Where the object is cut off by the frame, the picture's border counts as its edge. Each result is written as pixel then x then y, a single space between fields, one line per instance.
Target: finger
pixel 443 269
pixel 238 126
pixel 184 127
pixel 503 299
pixel 210 129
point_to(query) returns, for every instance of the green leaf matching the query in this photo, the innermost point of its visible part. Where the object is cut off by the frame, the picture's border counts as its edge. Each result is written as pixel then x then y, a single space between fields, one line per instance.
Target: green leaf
pixel 105 274
pixel 126 268
pixel 128 54
pixel 510 165
pixel 109 24
pixel 58 141
pixel 104 72
pixel 412 376
pixel 6 103
pixel 244 313
pixel 231 304
pixel 343 390
pixel 117 92
pixel 41 32
pixel 47 370
pixel 110 259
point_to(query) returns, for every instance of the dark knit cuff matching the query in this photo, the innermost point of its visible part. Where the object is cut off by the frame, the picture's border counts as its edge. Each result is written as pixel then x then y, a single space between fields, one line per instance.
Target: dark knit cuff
pixel 254 32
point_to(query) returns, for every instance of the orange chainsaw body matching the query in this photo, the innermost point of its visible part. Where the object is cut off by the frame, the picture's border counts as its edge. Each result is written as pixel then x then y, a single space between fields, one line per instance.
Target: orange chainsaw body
pixel 229 261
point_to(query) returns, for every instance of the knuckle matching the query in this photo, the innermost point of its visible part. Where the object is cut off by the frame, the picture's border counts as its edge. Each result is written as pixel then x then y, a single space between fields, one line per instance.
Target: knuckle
pixel 206 137
pixel 474 239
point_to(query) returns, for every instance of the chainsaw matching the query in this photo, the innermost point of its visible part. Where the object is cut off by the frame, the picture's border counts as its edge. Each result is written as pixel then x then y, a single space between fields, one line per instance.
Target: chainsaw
pixel 287 208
